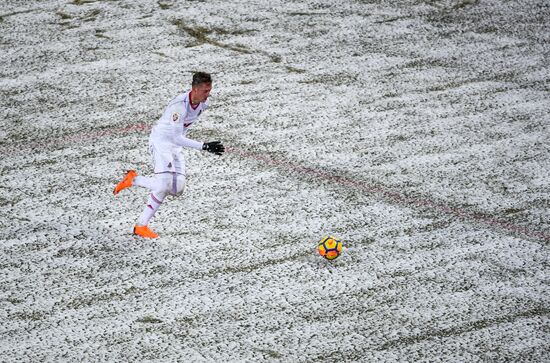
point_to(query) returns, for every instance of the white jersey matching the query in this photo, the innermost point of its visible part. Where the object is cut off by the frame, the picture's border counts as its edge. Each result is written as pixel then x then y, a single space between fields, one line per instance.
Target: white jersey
pixel 171 130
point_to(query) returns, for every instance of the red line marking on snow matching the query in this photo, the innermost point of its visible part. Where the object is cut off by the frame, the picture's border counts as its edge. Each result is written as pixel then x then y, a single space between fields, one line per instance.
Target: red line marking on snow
pixel 381 191
pixel 77 137
pixel 392 196
pixel 83 136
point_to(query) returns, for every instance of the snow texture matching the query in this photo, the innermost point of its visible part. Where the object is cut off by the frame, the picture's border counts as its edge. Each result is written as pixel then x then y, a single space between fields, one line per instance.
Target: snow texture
pixel 417 131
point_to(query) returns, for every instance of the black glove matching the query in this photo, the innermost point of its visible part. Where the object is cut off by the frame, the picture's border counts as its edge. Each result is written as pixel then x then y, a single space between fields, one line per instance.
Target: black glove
pixel 215 147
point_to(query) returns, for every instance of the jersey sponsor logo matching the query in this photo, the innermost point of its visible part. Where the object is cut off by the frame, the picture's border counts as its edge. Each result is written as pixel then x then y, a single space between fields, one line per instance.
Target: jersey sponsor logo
pixel 175 117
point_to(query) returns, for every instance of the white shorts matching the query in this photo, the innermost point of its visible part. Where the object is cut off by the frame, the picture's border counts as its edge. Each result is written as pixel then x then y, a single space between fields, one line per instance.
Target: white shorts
pixel 167 159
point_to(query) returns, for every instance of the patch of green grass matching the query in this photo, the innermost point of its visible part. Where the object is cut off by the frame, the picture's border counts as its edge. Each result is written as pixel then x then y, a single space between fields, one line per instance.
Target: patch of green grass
pixel 270 353
pixel 164 5
pixel 83 2
pixel 99 34
pixel 391 20
pixel 276 58
pixel 91 15
pixel 462 329
pixel 336 79
pixel 14 301
pixel 30 315
pixel 64 16
pixel 511 211
pixel 424 63
pixel 161 54
pixel 303 13
pixel 85 301
pixel 449 85
pixel 390 95
pixel 14 13
pixel 202 36
pixel 149 320
pixel 464 3
pixel 256 266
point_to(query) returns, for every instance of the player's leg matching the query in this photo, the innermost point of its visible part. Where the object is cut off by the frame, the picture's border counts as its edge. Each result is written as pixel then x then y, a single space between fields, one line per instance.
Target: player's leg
pixel 163 184
pixel 162 162
pixel 160 186
pixel 126 182
pixel 154 201
pixel 155 182
pixel 131 179
pixel 178 178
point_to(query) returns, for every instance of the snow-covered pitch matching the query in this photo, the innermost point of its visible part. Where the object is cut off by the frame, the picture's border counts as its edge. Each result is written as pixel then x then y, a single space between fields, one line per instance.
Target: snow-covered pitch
pixel 416 130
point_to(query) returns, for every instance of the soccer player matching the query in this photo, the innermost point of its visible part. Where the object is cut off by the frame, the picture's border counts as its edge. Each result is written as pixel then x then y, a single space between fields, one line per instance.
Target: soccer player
pixel 166 141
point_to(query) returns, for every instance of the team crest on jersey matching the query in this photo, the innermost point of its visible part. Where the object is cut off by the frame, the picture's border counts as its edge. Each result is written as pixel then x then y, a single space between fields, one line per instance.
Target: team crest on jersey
pixel 175 116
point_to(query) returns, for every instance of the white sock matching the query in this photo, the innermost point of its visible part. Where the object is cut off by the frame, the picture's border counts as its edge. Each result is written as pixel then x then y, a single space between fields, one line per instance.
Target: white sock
pixel 153 204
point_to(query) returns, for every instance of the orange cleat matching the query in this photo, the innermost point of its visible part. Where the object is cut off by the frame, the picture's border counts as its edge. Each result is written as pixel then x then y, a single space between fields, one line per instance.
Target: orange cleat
pixel 126 182
pixel 144 231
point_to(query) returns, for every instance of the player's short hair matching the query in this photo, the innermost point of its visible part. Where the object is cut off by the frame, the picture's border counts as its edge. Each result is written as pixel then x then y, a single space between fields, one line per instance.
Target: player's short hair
pixel 200 78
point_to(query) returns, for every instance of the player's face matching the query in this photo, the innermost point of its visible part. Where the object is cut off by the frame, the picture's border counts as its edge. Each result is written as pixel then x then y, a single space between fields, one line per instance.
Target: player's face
pixel 202 91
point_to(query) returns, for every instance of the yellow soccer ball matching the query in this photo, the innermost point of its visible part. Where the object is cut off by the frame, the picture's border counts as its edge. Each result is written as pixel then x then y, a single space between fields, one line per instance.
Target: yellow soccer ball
pixel 329 247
